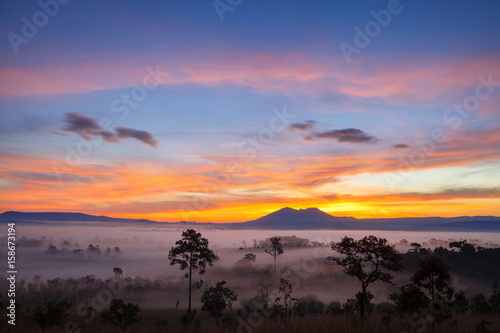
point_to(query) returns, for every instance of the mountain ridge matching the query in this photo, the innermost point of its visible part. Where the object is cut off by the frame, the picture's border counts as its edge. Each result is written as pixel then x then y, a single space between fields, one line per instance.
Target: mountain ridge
pixel 285 218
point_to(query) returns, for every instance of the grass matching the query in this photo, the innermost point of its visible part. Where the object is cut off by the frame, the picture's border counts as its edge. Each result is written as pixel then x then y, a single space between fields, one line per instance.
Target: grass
pixel 319 323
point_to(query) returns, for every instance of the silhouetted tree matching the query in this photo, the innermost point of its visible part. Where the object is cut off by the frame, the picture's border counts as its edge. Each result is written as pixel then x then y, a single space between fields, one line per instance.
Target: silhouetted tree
pixel 464 247
pixel 434 276
pixel 191 253
pixel 457 244
pixel 479 304
pixel 121 315
pixel 117 271
pixel 334 308
pixel 93 250
pixel 461 303
pixel 309 305
pixel 409 300
pixel 350 307
pixel 246 262
pixel 52 250
pixel 249 257
pixel 260 302
pixel 275 250
pixel 365 300
pixel 495 299
pixel 365 259
pixel 217 299
pixel 284 304
pixel 52 314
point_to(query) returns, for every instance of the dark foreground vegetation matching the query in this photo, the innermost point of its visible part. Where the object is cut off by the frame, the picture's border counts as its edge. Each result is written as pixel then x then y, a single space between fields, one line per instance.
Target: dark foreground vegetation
pixel 425 298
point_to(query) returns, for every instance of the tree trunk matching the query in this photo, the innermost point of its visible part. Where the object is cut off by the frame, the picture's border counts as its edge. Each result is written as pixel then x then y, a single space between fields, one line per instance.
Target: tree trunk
pixel 362 303
pixel 275 265
pixel 190 274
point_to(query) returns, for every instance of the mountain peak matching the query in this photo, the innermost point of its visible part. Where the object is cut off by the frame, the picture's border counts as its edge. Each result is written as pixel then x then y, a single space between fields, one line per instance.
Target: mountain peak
pixel 311 217
pixel 289 209
pixel 312 209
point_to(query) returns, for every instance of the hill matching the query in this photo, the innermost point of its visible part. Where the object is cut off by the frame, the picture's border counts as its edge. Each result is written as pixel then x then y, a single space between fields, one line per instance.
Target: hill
pixel 284 219
pixel 40 218
pixel 310 218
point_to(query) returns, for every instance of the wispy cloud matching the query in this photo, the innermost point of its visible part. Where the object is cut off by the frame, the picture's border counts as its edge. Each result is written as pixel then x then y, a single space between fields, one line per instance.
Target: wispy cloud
pixel 287 74
pixel 304 126
pixel 400 146
pixel 352 135
pixel 319 181
pixel 143 136
pixel 88 128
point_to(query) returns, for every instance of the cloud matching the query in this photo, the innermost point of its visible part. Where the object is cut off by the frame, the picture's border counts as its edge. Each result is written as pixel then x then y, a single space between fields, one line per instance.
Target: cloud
pixel 47 177
pixel 352 135
pixel 466 192
pixel 82 125
pixel 88 128
pixel 319 181
pixel 304 126
pixel 143 136
pixel 400 146
pixel 439 81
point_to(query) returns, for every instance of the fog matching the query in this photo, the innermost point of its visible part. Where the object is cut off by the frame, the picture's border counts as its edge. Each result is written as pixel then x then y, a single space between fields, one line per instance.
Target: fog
pixel 143 256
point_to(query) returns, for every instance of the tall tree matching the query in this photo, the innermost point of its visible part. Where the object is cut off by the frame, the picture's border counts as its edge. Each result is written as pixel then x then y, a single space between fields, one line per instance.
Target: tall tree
pixel 284 304
pixel 366 259
pixel 192 253
pixel 275 250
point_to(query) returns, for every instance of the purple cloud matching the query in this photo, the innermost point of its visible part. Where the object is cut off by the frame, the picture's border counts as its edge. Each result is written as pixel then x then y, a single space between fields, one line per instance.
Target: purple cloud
pixel 88 128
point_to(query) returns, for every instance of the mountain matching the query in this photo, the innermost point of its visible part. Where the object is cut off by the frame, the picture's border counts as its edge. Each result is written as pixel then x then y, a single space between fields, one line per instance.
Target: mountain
pixel 310 218
pixel 313 218
pixel 39 218
pixel 460 223
pixel 285 219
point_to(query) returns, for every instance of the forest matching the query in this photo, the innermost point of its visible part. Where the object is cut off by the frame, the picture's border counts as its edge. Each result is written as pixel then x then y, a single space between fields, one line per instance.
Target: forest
pixel 354 285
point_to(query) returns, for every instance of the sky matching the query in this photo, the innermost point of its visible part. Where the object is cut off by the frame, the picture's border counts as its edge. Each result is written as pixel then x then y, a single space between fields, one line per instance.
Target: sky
pixel 228 110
